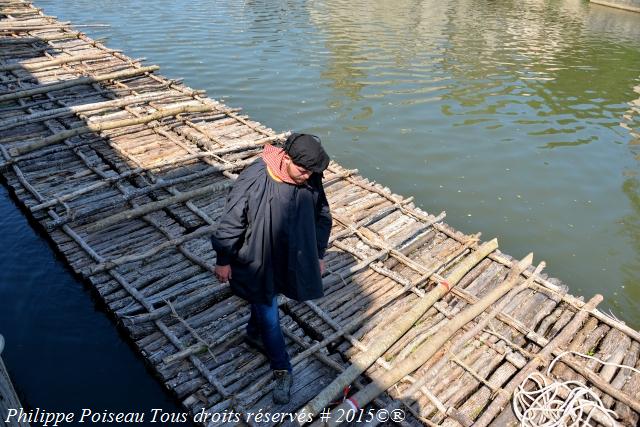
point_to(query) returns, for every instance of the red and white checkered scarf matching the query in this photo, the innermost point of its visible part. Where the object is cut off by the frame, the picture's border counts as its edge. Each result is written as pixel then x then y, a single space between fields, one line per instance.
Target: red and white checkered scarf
pixel 273 157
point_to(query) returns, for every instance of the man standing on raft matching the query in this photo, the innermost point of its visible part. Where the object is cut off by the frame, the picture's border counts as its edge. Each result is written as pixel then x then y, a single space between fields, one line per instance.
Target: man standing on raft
pixel 271 240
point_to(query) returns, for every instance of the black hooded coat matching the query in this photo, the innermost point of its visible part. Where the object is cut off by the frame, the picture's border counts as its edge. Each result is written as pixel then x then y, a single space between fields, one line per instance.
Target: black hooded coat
pixel 273 235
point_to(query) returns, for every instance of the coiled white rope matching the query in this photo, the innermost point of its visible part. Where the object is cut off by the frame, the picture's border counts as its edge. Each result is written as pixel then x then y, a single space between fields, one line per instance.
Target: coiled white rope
pixel 557 404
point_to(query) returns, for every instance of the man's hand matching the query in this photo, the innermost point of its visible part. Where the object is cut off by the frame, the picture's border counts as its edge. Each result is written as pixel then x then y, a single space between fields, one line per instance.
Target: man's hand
pixel 223 273
pixel 322 267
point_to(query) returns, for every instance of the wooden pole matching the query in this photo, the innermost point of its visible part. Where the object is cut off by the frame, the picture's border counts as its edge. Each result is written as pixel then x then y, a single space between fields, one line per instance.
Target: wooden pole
pixel 98 127
pixel 84 190
pixel 472 333
pixel 79 81
pixel 383 342
pixel 154 206
pixel 32 66
pixel 72 109
pixel 109 264
pixel 405 367
pixel 40 39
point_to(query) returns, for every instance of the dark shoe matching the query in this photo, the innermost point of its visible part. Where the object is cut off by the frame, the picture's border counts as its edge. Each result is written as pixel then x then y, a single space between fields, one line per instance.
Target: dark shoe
pixel 282 390
pixel 255 343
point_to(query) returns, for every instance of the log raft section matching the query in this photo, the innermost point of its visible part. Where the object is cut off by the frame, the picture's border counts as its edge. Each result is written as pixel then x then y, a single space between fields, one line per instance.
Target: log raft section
pixel 127 171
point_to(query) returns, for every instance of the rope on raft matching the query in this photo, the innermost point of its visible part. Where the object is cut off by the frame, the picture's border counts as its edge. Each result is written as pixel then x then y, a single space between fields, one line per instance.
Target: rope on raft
pixel 541 402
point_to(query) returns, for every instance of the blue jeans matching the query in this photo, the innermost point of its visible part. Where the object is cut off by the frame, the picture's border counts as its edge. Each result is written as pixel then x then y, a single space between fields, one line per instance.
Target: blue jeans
pixel 265 323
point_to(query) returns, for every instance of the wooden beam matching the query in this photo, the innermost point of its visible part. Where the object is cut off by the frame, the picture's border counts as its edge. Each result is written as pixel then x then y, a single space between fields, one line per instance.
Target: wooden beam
pixel 99 127
pixel 50 87
pixel 32 66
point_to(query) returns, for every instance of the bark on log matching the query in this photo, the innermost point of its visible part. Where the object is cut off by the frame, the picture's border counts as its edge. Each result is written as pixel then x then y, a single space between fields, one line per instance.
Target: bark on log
pixel 154 206
pixel 73 109
pixel 79 81
pixel 109 264
pixel 99 127
pixel 39 39
pixel 32 66
pixel 457 346
pixel 426 350
pixel 366 359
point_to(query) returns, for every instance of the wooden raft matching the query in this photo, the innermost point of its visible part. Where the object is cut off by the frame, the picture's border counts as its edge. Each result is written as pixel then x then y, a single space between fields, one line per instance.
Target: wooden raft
pixel 127 172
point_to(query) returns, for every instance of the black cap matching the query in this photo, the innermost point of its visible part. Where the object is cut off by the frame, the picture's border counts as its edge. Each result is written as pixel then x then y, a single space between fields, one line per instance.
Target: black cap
pixel 306 151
